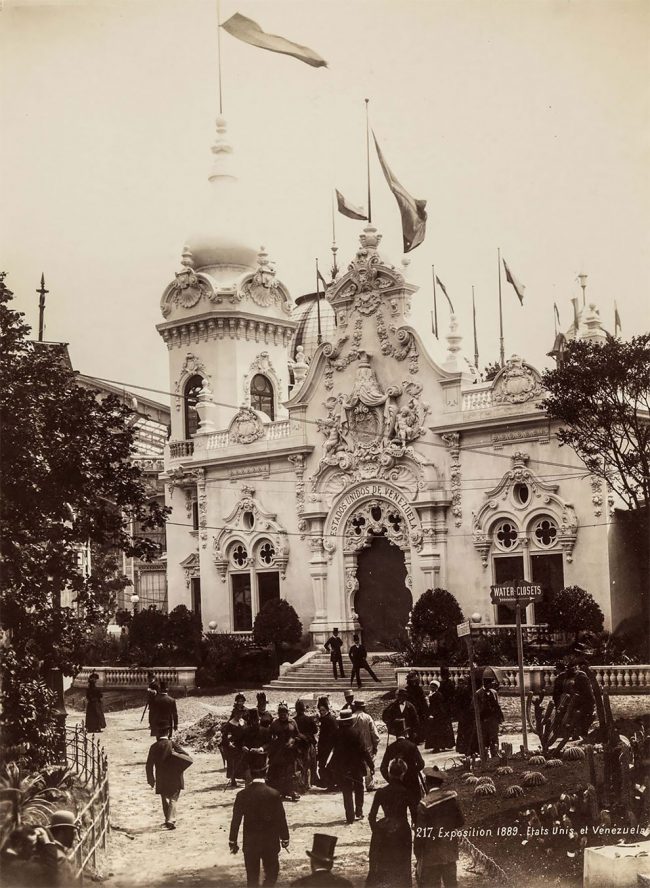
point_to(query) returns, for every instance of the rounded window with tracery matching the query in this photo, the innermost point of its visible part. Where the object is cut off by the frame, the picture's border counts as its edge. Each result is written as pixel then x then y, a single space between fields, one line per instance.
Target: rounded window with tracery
pixel 506 536
pixel 239 556
pixel 545 533
pixel 266 553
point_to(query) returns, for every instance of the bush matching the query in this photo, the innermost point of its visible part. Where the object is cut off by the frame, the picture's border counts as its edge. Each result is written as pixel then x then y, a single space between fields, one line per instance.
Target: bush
pixel 574 610
pixel 101 649
pixel 277 624
pixel 147 638
pixel 182 636
pixel 435 616
pixel 225 659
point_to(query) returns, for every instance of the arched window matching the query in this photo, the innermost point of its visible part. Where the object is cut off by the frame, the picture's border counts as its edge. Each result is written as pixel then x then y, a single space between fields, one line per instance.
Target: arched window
pixel 192 388
pixel 262 395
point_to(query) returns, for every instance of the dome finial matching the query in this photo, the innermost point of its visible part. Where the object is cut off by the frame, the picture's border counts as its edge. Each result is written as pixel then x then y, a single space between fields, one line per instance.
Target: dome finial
pixel 222 151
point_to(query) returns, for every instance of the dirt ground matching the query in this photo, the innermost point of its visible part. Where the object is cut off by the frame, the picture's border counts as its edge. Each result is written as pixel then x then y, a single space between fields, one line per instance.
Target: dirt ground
pixel 142 852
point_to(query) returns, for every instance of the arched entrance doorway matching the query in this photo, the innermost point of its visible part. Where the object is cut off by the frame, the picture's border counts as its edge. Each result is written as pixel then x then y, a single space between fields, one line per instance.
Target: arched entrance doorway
pixel 382 601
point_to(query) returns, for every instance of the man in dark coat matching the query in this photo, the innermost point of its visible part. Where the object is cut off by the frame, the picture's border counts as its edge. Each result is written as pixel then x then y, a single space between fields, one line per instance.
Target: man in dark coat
pixel 163 713
pixel 402 709
pixel 348 760
pixel 265 825
pixel 165 775
pixel 326 733
pixel 410 755
pixel 580 704
pixel 359 657
pixel 490 714
pixel 436 852
pixel 334 645
pixel 322 860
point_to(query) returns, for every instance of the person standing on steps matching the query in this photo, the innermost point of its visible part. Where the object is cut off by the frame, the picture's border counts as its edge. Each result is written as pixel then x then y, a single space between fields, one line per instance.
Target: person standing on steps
pixel 348 763
pixel 359 657
pixel 265 825
pixel 334 645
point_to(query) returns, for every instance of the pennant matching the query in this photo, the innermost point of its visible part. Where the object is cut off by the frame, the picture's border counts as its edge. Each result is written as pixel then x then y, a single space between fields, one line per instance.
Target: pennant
pixel 557 314
pixel 413 212
pixel 348 209
pixel 518 288
pixel 576 315
pixel 617 321
pixel 444 290
pixel 321 278
pixel 248 31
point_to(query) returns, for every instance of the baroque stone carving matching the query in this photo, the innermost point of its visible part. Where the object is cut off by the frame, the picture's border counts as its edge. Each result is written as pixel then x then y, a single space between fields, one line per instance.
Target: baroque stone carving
pixel 369 429
pixel 298 463
pixel 191 567
pixel 245 427
pixel 180 477
pixel 263 288
pixel 191 366
pixel 249 524
pixel 262 364
pixel 596 495
pixel 202 496
pixel 543 499
pixel 185 291
pixel 372 508
pixel 452 443
pixel 516 383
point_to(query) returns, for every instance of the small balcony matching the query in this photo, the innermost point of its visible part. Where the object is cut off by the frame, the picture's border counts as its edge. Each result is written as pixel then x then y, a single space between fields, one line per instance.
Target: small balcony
pixel 180 449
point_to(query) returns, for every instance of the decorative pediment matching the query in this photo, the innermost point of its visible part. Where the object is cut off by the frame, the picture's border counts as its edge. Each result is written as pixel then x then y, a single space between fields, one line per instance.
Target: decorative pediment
pixel 257 533
pixel 367 279
pixel 191 567
pixel 263 288
pixel 521 497
pixel 185 291
pixel 180 477
pixel 516 383
pixel 246 427
pixel 262 364
pixel 192 366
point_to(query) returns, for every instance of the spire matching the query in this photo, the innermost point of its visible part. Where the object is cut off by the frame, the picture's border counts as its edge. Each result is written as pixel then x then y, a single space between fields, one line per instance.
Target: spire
pixel 594 328
pixel 42 292
pixel 222 151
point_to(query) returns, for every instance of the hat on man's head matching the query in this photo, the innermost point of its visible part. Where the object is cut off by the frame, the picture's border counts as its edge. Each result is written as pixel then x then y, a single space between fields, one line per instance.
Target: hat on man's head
pixel 399 726
pixel 335 629
pixel 348 694
pixel 355 638
pixel 322 848
pixel 345 717
pixel 283 706
pixel 257 761
pixel 433 776
pixel 261 697
pixel 358 704
pixel 63 818
pixel 239 698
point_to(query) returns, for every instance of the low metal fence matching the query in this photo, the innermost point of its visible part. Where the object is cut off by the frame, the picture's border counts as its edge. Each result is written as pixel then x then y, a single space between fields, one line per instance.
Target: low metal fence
pixel 87 758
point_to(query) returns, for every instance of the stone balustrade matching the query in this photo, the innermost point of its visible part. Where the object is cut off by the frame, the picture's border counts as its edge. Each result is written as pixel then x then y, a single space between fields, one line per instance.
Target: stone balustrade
pixel 273 431
pixel 478 398
pixel 116 677
pixel 538 633
pixel 179 449
pixel 633 679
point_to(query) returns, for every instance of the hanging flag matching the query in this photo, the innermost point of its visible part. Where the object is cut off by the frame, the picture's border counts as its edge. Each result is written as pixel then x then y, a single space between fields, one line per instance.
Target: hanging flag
pixel 250 32
pixel 617 321
pixel 414 214
pixel 321 278
pixel 576 316
pixel 348 209
pixel 519 288
pixel 444 290
pixel 557 314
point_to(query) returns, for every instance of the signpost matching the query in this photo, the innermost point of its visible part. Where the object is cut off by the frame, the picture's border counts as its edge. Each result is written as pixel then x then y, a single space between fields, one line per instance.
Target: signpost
pixel 521 593
pixel 463 630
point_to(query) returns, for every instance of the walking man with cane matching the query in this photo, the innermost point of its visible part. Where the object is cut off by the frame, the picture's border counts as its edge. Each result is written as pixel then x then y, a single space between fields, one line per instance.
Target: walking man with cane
pixel 348 765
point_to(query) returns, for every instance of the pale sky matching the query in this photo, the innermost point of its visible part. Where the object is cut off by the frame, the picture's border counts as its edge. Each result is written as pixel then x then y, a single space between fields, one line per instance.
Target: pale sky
pixel 523 124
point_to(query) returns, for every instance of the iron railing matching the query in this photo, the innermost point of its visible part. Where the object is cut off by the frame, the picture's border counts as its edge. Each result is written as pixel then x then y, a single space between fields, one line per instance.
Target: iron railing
pixel 87 759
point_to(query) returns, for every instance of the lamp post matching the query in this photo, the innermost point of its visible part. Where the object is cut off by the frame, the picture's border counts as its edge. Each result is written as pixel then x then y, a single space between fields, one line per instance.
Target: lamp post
pixel 135 598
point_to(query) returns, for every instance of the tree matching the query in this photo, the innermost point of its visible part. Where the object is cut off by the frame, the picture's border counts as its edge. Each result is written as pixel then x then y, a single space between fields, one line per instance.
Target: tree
pixel 435 614
pixel 277 623
pixel 68 485
pixel 601 395
pixel 573 609
pixel 183 634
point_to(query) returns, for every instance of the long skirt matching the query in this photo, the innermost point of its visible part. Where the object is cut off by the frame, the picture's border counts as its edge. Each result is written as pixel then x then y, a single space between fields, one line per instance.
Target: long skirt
pixel 283 773
pixel 438 733
pixel 307 767
pixel 95 720
pixel 466 740
pixel 390 854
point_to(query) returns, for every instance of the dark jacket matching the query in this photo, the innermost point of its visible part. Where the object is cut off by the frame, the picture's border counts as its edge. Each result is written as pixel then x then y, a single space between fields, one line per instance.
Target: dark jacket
pixel 324 879
pixel 326 734
pixel 410 754
pixel 163 715
pixel 438 810
pixel 334 645
pixel 358 653
pixel 349 755
pixel 168 773
pixel 409 715
pixel 265 822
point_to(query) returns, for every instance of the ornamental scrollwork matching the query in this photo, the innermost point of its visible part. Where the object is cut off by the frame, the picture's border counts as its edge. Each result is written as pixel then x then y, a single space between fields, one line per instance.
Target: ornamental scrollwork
pixel 375 518
pixel 263 288
pixel 246 427
pixel 452 443
pixel 516 383
pixel 248 522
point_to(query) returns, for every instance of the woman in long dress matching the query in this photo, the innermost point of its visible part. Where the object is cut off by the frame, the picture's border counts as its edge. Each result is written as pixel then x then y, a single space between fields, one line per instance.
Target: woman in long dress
pixel 439 733
pixel 95 720
pixel 466 740
pixel 232 742
pixel 283 752
pixel 390 845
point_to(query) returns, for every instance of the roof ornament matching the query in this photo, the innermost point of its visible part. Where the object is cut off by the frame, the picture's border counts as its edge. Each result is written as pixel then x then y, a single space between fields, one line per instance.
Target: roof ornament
pixel 222 151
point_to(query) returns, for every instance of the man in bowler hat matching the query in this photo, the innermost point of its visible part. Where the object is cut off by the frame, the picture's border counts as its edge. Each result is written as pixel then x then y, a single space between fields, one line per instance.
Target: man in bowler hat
pixel 265 824
pixel 163 714
pixel 322 860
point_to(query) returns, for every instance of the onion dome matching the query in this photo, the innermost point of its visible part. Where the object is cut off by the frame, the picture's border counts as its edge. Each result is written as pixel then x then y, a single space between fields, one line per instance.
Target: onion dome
pixel 306 333
pixel 221 243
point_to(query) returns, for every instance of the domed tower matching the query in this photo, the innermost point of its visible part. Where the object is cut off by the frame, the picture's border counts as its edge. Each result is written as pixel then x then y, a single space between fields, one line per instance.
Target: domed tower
pixel 227 318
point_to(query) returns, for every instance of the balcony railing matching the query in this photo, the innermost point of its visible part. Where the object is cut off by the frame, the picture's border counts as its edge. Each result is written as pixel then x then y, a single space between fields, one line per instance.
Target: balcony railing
pixel 273 431
pixel 178 449
pixel 478 398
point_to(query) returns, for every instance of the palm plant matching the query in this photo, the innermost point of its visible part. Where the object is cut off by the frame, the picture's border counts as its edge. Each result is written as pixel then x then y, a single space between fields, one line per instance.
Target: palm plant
pixel 30 799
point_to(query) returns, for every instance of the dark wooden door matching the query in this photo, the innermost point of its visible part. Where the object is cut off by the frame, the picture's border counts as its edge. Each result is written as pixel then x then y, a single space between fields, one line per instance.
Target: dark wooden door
pixel 382 601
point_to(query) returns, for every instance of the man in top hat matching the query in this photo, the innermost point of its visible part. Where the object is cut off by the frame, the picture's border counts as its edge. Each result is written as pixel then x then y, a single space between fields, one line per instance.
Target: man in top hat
pixel 266 718
pixel 436 853
pixel 348 695
pixel 490 714
pixel 165 774
pixel 359 657
pixel 322 860
pixel 348 762
pixel 334 644
pixel 364 726
pixel 401 708
pixel 265 824
pixel 163 717
pixel 410 755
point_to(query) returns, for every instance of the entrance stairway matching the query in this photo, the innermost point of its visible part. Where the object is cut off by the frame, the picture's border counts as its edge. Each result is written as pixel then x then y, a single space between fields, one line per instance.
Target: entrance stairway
pixel 315 674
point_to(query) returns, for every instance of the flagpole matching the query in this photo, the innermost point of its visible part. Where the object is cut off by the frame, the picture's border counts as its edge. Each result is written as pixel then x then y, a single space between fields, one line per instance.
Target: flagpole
pixel 368 161
pixel 335 269
pixel 501 349
pixel 219 53
pixel 475 337
pixel 319 337
pixel 435 303
pixel 555 318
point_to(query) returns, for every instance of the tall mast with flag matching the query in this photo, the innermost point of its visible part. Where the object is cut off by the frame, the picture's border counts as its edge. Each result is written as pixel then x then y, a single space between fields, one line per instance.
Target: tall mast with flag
pixel 475 336
pixel 617 321
pixel 501 346
pixel 412 210
pixel 435 303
